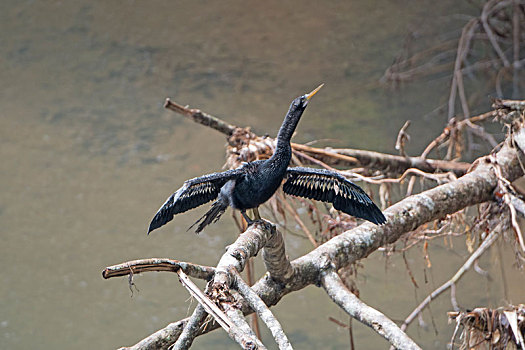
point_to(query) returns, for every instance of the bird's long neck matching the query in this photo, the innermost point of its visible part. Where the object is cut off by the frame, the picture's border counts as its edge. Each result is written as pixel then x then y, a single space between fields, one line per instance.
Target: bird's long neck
pixel 283 149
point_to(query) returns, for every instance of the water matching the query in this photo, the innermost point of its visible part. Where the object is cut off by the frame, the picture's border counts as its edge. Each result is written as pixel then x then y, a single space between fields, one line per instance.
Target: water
pixel 88 154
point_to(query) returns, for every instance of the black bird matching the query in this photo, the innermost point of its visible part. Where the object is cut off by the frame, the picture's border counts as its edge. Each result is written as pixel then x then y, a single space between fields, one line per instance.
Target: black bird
pixel 254 183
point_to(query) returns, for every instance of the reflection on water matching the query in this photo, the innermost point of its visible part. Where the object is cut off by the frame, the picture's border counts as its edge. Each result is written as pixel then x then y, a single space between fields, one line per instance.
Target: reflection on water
pixel 88 153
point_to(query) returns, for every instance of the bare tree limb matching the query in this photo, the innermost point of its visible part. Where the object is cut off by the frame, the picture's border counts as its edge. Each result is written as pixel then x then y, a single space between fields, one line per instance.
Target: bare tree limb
pixel 191 328
pixel 157 264
pixel 248 244
pixel 365 314
pixel 243 338
pixel 263 311
pixel 202 118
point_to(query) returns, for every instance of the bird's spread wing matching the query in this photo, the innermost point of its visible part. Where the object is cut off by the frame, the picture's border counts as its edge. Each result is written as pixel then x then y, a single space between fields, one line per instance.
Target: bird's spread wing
pixel 192 194
pixel 328 186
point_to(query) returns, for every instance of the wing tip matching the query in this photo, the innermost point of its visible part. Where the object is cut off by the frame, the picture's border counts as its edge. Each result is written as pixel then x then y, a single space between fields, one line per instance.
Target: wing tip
pixel 376 216
pixel 152 226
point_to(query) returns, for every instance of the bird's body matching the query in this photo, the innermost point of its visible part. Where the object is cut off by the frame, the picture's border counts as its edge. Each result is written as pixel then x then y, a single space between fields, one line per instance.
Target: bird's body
pixel 254 183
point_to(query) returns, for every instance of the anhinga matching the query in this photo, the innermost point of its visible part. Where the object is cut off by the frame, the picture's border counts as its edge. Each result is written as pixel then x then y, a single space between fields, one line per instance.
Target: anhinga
pixel 254 183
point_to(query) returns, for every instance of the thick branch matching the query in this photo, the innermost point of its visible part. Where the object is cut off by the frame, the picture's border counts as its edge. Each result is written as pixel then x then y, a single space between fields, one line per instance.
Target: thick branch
pixel 248 244
pixel 275 259
pixel 365 314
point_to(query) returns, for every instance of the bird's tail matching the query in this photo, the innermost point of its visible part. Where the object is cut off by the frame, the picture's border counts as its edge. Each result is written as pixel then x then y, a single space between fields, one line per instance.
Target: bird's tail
pixel 217 209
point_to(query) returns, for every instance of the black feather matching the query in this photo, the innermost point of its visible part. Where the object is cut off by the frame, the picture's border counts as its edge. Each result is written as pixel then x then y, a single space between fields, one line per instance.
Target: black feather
pixel 349 198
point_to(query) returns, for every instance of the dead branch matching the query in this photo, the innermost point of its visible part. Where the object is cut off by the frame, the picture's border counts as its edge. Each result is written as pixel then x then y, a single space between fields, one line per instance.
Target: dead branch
pixel 397 164
pixel 200 117
pixel 190 330
pixel 262 310
pixel 247 245
pixel 237 317
pixel 365 314
pixel 402 138
pixel 157 264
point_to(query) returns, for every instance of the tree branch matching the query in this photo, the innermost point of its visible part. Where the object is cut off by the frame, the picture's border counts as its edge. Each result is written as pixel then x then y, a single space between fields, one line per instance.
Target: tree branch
pixel 263 311
pixel 275 259
pixel 191 328
pixel 157 264
pixel 365 314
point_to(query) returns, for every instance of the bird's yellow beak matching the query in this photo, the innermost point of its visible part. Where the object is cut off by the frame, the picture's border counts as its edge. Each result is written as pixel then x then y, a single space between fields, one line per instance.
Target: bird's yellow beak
pixel 311 94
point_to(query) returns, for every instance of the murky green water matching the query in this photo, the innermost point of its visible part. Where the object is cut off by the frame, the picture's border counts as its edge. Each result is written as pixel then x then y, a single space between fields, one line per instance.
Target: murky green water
pixel 88 154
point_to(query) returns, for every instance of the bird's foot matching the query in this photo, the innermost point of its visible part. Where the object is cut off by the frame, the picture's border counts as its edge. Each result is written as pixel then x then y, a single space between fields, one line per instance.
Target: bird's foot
pixel 247 218
pixel 257 221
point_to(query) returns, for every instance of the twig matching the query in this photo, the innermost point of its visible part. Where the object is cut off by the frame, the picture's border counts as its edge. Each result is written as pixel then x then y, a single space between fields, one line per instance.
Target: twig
pixel 463 45
pixel 201 117
pixel 436 177
pixel 305 229
pixel 402 138
pixel 365 314
pixel 455 124
pixel 262 311
pixel 343 159
pixel 466 266
pixel 489 7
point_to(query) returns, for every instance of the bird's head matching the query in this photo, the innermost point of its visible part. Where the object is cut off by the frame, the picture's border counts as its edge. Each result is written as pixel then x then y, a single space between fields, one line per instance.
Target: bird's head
pixel 294 114
pixel 301 102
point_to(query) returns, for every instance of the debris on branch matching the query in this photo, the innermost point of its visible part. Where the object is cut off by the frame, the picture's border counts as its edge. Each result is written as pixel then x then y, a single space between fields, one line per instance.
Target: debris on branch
pixel 483 328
